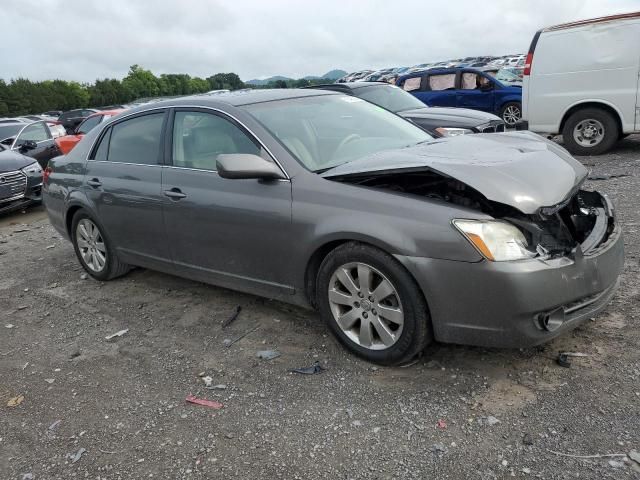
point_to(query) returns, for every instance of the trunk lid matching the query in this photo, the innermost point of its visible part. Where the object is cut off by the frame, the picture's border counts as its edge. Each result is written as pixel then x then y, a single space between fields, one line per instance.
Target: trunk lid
pixel 520 169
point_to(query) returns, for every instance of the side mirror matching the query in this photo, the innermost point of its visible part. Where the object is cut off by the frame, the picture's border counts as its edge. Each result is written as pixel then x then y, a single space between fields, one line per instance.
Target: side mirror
pixel 245 165
pixel 27 145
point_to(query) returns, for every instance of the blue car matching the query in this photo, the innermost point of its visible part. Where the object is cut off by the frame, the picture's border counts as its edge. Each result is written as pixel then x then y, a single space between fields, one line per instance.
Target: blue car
pixel 465 88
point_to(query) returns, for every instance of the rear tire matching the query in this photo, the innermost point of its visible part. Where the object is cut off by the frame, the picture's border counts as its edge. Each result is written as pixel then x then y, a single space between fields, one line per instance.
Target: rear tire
pixel 388 325
pixel 590 131
pixel 94 249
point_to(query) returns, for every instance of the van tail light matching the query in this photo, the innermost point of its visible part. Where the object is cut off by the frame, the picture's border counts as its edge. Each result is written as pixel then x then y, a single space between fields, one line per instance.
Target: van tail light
pixel 45 174
pixel 527 64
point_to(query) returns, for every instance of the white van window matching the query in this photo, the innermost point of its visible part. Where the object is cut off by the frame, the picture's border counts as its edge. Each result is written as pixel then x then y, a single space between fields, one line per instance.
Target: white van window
pixel 469 81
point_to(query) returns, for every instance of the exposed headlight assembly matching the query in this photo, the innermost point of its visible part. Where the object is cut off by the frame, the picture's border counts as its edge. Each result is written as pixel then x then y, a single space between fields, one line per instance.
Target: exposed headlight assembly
pixel 452 132
pixel 33 169
pixel 496 240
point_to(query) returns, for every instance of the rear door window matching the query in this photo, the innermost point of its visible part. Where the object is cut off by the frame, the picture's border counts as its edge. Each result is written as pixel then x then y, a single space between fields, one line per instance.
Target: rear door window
pixel 470 81
pixel 36 132
pixel 444 81
pixel 136 140
pixel 411 84
pixel 86 126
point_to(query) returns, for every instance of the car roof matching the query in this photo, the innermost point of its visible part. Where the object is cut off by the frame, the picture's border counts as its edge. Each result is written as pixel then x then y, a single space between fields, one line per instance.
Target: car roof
pixel 107 112
pixel 591 21
pixel 236 98
pixel 347 86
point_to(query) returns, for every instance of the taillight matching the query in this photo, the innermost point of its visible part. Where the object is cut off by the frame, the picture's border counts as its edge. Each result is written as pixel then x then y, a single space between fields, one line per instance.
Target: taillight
pixel 527 64
pixel 45 175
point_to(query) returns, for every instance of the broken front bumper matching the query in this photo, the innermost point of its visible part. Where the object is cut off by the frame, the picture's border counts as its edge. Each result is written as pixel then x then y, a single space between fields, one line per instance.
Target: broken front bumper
pixel 500 304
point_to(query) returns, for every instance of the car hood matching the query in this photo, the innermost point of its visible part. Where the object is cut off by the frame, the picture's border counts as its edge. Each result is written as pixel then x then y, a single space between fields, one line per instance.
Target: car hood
pixel 444 113
pixel 10 161
pixel 520 169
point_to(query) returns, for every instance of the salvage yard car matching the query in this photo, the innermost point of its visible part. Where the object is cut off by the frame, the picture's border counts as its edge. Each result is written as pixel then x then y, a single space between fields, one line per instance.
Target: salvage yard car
pixel 20 180
pixel 67 142
pixel 439 122
pixel 581 80
pixel 326 200
pixel 33 139
pixel 465 88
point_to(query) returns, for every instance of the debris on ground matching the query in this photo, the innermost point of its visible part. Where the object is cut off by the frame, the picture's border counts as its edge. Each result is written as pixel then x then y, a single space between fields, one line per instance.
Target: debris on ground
pixel 442 425
pixel 268 354
pixel 574 354
pixel 84 276
pixel 563 360
pixel 439 449
pixel 54 425
pixel 490 420
pixel 607 177
pixel 228 342
pixel 117 334
pixel 203 402
pixel 27 476
pixel 207 381
pixel 527 439
pixel 603 455
pixel 312 370
pixel 15 401
pixel 49 247
pixel 74 457
pixel 9 325
pixel 49 380
pixel 235 314
pixel 635 456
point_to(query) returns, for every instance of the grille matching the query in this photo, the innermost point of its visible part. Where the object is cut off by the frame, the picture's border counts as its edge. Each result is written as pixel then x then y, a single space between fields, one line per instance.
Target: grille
pixel 12 185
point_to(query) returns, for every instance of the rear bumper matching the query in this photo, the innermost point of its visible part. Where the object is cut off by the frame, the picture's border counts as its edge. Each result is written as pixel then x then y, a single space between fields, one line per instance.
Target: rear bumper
pixel 498 304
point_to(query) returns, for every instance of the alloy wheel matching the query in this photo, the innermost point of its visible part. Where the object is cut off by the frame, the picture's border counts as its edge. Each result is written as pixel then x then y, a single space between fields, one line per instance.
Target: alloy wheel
pixel 366 306
pixel 91 245
pixel 511 115
pixel 588 133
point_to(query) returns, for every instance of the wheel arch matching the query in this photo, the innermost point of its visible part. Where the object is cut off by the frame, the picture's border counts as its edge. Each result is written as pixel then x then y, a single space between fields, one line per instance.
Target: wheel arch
pixel 601 104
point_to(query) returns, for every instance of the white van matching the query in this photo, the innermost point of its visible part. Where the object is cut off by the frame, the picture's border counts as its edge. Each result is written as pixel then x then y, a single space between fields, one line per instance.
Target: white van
pixel 581 80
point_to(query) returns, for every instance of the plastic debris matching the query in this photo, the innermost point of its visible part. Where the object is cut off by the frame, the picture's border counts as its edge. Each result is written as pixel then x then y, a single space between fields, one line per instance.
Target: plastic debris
pixel 228 342
pixel 563 360
pixel 207 381
pixel 235 314
pixel 9 325
pixel 490 420
pixel 49 380
pixel 15 401
pixel 635 456
pixel 27 476
pixel 117 334
pixel 312 370
pixel 203 402
pixel 442 425
pixel 220 386
pixel 439 449
pixel 267 354
pixel 575 354
pixel 54 425
pixel 74 457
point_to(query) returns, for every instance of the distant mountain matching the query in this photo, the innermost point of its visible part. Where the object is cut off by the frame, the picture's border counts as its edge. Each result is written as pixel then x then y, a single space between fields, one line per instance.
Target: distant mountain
pixel 332 75
pixel 264 81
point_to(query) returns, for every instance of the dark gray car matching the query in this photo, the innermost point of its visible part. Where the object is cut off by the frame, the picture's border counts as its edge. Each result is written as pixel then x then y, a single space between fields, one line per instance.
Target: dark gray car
pixel 325 200
pixel 438 121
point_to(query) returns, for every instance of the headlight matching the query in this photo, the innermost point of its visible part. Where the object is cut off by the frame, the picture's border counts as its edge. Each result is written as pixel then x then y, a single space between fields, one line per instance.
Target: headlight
pixel 496 240
pixel 453 132
pixel 33 169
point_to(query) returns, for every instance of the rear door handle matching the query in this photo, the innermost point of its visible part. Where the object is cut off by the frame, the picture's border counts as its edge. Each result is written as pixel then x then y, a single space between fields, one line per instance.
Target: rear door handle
pixel 174 194
pixel 94 182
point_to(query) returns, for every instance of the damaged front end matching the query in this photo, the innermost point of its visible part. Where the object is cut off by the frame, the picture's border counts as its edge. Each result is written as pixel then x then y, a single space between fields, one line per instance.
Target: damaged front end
pixel 578 225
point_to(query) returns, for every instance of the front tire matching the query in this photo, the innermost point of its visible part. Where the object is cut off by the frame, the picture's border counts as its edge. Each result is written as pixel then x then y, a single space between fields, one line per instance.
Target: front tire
pixel 590 131
pixel 372 304
pixel 511 113
pixel 94 250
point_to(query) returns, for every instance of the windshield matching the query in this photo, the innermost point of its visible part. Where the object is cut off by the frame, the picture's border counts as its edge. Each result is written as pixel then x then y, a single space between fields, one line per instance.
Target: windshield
pixel 505 75
pixel 389 97
pixel 328 130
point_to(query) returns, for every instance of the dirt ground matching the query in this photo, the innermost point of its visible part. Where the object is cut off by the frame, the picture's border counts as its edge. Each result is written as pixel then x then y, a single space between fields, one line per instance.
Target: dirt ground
pixel 101 409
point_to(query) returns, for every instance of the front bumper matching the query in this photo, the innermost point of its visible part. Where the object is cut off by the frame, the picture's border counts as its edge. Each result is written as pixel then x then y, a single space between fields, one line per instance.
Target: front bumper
pixel 498 304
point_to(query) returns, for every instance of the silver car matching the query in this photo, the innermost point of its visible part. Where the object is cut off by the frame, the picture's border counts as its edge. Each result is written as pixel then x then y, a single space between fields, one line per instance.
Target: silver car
pixel 328 201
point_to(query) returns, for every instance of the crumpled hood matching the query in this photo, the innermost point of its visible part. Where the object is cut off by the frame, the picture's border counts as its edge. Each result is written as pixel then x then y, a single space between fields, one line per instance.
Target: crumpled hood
pixel 10 161
pixel 520 169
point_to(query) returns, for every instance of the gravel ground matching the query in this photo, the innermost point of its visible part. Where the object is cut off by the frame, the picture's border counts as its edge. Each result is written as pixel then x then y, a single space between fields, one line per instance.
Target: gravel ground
pixel 115 409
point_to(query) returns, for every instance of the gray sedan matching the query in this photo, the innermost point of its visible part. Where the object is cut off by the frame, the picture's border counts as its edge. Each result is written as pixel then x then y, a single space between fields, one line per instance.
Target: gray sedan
pixel 325 200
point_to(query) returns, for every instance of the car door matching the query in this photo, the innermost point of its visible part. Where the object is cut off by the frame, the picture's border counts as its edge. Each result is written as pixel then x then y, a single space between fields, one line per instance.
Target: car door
pixel 35 140
pixel 440 90
pixel 123 180
pixel 477 91
pixel 231 232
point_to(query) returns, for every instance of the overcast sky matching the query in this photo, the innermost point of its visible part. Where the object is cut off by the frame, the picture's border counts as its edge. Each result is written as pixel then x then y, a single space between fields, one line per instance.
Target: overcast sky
pixel 84 39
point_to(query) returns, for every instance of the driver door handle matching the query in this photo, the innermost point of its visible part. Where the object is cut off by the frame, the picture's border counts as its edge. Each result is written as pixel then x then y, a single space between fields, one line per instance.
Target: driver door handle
pixel 94 182
pixel 174 194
